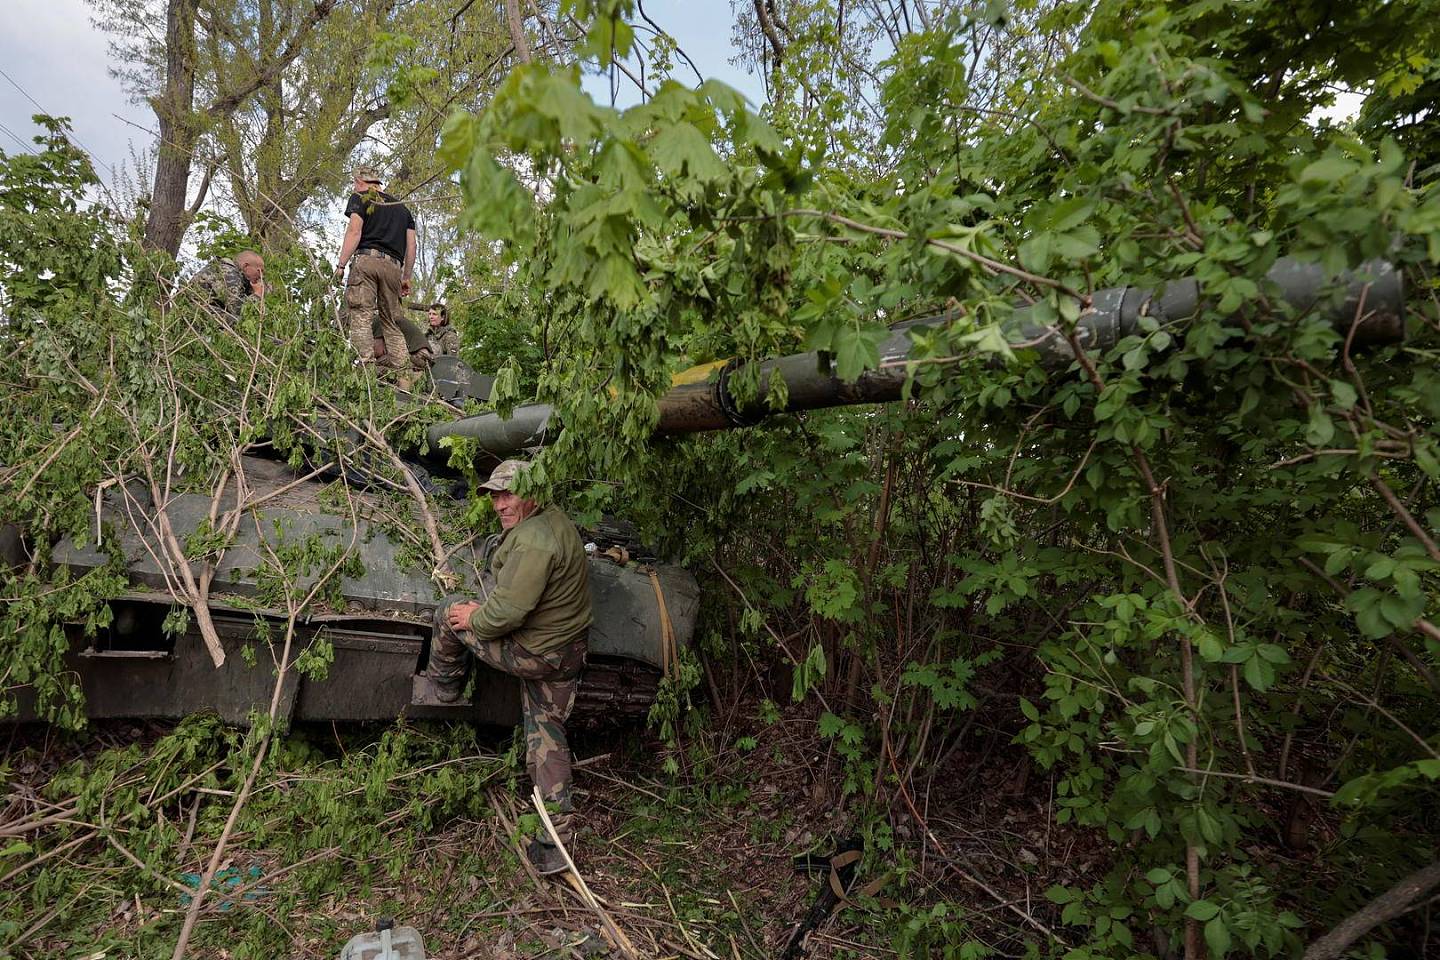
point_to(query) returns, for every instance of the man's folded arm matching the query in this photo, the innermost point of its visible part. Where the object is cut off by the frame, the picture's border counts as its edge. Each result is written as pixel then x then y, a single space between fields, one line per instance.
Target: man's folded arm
pixel 518 588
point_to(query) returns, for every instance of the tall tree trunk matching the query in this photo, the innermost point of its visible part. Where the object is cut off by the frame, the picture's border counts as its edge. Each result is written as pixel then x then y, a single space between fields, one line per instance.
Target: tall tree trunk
pixel 516 23
pixel 174 109
pixel 181 122
pixel 271 226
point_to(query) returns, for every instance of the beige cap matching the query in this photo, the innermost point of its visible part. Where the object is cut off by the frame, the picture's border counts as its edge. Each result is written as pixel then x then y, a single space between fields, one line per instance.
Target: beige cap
pixel 503 476
pixel 368 174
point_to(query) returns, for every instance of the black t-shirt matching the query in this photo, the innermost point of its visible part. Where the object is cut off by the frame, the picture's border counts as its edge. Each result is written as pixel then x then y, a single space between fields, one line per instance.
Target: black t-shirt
pixel 385 222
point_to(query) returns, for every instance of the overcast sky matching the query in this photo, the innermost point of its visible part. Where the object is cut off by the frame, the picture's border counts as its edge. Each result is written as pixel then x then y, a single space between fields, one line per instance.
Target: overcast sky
pixel 49 51
pixel 55 61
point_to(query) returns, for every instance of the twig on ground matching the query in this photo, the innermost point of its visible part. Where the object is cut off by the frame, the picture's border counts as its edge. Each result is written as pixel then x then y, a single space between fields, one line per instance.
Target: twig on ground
pixel 621 941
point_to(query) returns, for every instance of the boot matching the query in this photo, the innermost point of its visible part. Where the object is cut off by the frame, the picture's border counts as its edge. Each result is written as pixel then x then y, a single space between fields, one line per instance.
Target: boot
pixel 426 691
pixel 447 691
pixel 546 858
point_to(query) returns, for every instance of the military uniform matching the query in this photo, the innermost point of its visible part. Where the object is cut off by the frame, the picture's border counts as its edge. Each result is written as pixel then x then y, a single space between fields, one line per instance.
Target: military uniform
pixel 444 341
pixel 221 285
pixel 533 623
pixel 372 297
pixel 416 344
pixel 372 289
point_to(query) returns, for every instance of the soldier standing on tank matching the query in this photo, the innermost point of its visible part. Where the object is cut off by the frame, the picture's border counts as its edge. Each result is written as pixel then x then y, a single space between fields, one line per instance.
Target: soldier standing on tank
pixel 444 339
pixel 533 623
pixel 226 284
pixel 380 237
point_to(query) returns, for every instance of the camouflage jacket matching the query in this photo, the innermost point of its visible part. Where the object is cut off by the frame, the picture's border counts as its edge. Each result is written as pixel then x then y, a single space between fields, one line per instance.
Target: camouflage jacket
pixel 221 284
pixel 541 598
pixel 444 341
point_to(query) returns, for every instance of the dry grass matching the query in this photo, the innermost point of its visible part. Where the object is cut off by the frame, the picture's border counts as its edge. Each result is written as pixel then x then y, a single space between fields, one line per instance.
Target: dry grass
pixel 698 865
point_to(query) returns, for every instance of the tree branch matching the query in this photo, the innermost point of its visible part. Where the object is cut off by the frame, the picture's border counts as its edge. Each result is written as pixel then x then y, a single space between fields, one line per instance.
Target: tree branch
pixel 994 265
pixel 1383 908
pixel 226 103
pixel 203 191
pixel 1406 517
pixel 516 22
pixel 768 26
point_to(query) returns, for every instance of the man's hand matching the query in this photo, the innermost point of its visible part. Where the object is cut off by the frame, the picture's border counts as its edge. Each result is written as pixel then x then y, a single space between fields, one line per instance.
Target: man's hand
pixel 405 287
pixel 458 616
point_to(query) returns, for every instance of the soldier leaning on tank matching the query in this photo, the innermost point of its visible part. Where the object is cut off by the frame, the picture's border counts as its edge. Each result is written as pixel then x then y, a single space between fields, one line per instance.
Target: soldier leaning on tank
pixel 380 237
pixel 533 623
pixel 226 284
pixel 415 343
pixel 443 339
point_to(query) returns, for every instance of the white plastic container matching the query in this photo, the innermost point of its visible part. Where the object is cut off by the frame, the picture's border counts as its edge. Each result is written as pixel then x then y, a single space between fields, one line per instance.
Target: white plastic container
pixel 388 942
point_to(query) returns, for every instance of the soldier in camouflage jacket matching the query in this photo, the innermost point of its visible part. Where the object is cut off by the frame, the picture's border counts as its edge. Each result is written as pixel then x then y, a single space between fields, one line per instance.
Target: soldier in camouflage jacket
pixel 532 621
pixel 225 284
pixel 444 339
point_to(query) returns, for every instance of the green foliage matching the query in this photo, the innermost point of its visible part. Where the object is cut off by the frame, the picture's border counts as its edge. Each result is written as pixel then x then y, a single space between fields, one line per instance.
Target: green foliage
pixel 1198 547
pixel 332 822
pixel 1172 574
pixel 33 623
pixel 60 250
pixel 938 931
pixel 848 739
pixel 672 704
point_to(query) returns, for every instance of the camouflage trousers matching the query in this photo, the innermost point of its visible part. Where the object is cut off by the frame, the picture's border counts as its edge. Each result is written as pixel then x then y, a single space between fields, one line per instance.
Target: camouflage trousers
pixel 547 694
pixel 372 299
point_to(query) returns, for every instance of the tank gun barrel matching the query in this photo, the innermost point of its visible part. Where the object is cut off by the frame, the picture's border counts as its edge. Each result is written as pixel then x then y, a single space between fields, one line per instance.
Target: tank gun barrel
pixel 1374 294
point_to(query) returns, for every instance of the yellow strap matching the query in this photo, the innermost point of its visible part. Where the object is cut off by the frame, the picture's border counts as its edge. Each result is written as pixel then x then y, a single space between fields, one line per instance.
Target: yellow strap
pixel 838 888
pixel 874 887
pixel 836 862
pixel 669 656
pixel 697 374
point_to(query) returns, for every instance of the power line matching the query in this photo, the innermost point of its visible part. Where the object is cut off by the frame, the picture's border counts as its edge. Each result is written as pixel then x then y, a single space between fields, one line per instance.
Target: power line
pixel 23 145
pixel 71 134
pixel 22 90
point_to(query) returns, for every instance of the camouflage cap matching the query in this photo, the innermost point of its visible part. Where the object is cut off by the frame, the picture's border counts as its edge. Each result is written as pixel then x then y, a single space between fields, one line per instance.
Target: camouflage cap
pixel 503 476
pixel 368 174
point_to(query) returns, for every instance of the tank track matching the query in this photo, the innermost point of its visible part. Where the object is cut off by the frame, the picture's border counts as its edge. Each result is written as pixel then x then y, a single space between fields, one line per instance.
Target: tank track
pixel 614 689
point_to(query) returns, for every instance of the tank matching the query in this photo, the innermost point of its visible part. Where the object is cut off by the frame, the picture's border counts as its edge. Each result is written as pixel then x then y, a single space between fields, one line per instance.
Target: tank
pixel 379 627
pixel 379 632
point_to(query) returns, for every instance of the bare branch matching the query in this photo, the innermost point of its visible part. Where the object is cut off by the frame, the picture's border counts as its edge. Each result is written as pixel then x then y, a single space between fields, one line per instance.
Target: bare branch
pixel 1383 908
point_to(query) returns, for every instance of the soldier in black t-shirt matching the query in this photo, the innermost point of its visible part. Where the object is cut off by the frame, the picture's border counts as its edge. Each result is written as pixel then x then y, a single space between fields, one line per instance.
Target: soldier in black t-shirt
pixel 380 237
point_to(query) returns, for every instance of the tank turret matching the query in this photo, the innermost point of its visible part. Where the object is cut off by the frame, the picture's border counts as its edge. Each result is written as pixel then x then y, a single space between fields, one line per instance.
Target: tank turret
pixel 379 631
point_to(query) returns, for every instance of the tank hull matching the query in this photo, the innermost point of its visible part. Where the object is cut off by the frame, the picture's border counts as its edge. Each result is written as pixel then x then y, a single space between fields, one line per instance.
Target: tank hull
pixel 369 679
pixel 377 639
